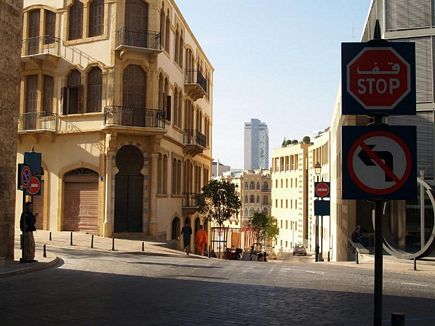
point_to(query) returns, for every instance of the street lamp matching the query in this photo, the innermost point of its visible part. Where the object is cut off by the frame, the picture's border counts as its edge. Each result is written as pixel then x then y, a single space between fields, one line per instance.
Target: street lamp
pixel 317 171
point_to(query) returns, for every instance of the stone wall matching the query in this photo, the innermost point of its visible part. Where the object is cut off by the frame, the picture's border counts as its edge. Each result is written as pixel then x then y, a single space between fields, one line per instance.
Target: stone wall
pixel 10 46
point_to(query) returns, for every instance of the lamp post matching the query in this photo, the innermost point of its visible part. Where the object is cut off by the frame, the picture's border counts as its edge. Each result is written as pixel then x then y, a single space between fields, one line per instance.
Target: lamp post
pixel 317 171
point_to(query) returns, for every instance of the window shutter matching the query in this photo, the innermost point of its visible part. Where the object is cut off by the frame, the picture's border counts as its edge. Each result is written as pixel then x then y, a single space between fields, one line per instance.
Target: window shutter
pixel 80 99
pixel 168 108
pixel 65 100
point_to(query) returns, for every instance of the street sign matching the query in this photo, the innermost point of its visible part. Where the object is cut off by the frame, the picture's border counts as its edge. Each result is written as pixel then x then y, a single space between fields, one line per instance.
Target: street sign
pixel 321 189
pixel 34 187
pixel 379 162
pixel 322 208
pixel 24 176
pixel 378 78
pixel 34 159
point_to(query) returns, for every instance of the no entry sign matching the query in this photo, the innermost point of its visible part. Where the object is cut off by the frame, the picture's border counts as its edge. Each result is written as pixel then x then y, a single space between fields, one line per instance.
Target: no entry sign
pixel 321 189
pixel 34 187
pixel 378 79
pixel 379 163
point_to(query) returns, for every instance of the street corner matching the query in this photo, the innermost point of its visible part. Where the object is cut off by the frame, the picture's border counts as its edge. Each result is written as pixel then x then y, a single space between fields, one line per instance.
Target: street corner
pixel 15 267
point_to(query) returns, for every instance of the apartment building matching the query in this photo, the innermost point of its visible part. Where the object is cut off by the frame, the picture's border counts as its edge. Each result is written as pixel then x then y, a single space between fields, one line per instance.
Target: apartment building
pixel 289 175
pixel 256 145
pixel 118 98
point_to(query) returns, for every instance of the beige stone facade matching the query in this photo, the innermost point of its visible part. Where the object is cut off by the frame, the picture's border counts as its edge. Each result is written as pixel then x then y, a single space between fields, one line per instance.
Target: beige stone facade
pixel 10 44
pixel 117 96
pixel 289 194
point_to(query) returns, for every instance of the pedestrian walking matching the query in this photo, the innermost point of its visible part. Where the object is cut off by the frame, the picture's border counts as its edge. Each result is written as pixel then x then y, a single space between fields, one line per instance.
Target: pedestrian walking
pixel 201 240
pixel 186 232
pixel 27 226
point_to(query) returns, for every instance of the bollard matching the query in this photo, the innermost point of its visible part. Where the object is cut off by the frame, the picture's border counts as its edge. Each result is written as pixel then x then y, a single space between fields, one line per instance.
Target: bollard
pixel 415 263
pixel 329 256
pixel 143 246
pixel 356 257
pixel 71 239
pixel 49 236
pixel 92 241
pixel 113 243
pixel 44 250
pixel 397 319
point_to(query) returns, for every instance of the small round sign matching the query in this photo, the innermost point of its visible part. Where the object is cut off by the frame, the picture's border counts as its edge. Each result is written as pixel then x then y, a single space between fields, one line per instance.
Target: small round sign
pixel 35 186
pixel 322 189
pixel 26 175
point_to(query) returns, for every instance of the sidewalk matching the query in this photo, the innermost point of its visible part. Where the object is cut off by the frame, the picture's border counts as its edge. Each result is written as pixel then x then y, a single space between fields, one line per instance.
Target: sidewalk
pixel 80 241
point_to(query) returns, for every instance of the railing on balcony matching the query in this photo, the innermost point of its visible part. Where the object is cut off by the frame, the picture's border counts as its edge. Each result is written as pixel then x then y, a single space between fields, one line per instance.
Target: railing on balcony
pixel 189 200
pixel 143 39
pixel 194 137
pixel 52 45
pixel 195 77
pixel 38 121
pixel 133 117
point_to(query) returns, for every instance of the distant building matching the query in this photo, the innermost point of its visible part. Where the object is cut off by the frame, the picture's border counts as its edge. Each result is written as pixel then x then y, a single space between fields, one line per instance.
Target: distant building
pixel 256 148
pixel 217 169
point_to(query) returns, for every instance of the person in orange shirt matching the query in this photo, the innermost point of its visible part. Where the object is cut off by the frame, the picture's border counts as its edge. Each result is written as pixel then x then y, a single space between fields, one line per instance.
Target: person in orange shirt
pixel 201 240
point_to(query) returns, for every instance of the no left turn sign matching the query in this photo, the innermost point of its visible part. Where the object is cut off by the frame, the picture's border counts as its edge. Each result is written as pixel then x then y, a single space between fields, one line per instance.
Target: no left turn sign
pixel 379 163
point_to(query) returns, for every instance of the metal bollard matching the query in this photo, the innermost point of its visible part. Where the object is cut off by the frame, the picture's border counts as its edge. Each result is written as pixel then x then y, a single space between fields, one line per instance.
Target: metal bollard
pixel 415 263
pixel 329 256
pixel 397 319
pixel 113 243
pixel 92 241
pixel 49 236
pixel 71 240
pixel 356 257
pixel 143 246
pixel 44 250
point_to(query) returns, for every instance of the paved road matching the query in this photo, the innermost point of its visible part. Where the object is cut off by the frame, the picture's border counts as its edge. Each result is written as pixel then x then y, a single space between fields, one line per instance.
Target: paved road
pixel 103 288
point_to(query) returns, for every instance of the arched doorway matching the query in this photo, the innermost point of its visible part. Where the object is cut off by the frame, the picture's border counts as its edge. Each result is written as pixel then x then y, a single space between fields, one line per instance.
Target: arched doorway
pixel 175 231
pixel 81 201
pixel 129 190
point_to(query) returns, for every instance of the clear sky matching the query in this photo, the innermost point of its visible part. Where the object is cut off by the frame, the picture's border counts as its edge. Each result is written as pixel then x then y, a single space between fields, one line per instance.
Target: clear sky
pixel 275 60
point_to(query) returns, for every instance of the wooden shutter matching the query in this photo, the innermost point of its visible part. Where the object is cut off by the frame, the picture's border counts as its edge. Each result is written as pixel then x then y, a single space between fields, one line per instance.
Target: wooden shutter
pixel 168 108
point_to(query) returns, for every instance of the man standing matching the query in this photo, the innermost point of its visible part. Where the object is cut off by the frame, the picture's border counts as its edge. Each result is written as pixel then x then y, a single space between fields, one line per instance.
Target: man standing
pixel 201 240
pixel 27 226
pixel 186 231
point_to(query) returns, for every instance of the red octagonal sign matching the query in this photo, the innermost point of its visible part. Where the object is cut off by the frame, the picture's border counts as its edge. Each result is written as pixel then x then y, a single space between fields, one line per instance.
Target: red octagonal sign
pixel 378 78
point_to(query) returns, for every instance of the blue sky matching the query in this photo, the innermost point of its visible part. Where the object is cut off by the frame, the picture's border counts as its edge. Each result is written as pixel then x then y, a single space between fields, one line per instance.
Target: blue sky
pixel 275 60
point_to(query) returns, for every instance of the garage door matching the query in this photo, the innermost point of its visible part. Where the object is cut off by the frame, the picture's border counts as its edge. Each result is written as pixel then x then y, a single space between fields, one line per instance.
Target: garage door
pixel 81 204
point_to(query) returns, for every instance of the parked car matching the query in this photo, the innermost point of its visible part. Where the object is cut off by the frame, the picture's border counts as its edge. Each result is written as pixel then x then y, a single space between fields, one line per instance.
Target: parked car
pixel 299 249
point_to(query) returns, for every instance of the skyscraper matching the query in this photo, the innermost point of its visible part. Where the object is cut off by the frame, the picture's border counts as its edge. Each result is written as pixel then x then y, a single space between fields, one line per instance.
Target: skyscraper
pixel 256 145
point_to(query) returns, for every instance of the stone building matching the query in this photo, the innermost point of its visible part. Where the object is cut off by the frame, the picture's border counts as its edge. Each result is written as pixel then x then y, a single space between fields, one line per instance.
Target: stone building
pixel 10 44
pixel 117 96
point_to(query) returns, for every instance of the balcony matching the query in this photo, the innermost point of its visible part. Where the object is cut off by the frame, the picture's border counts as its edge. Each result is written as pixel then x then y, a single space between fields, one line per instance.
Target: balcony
pixel 38 122
pixel 134 119
pixel 52 48
pixel 189 203
pixel 195 85
pixel 194 142
pixel 142 42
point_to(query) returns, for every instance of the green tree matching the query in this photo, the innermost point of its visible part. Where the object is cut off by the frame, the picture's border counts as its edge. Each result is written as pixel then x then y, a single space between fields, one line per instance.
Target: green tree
pixel 306 140
pixel 266 226
pixel 218 201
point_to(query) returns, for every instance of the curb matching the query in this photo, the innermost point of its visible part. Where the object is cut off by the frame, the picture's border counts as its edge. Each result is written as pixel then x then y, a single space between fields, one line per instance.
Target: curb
pixel 31 268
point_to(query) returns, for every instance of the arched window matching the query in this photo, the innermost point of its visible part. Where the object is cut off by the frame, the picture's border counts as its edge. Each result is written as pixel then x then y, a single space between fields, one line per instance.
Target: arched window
pixel 258 185
pixel 75 28
pixel 96 17
pixel 165 174
pixel 265 186
pixel 167 30
pixel 258 199
pixel 245 212
pixel 136 23
pixel 265 200
pixel 160 174
pixel 251 211
pixel 50 27
pixel 265 211
pixel 246 185
pixel 95 86
pixel 246 199
pixel 134 87
pixel 73 93
pixel 252 199
pixel 252 185
pixel 162 25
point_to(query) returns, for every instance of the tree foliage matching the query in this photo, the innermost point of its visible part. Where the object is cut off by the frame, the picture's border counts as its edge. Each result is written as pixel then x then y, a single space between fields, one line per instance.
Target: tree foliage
pixel 306 140
pixel 218 201
pixel 266 226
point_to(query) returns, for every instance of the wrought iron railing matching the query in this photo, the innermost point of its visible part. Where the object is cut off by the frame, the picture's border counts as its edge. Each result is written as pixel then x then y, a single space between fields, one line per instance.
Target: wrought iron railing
pixel 133 117
pixel 52 45
pixel 196 77
pixel 140 39
pixel 194 137
pixel 189 200
pixel 38 121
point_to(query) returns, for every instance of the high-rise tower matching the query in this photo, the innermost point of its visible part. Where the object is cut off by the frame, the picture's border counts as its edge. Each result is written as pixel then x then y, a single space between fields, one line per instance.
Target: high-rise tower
pixel 256 148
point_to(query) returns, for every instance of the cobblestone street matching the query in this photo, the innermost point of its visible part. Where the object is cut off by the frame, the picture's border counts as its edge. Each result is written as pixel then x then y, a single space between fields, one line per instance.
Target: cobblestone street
pixel 100 287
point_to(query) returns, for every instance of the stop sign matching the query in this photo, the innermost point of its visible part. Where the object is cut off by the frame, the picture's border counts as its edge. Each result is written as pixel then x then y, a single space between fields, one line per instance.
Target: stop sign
pixel 378 79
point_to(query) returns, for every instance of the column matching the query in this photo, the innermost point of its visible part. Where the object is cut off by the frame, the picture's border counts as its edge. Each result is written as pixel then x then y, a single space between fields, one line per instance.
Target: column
pixel 153 195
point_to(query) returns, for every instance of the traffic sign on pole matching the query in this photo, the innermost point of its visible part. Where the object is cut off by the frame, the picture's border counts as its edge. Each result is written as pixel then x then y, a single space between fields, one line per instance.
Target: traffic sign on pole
pixel 379 162
pixel 24 176
pixel 34 188
pixel 378 79
pixel 321 189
